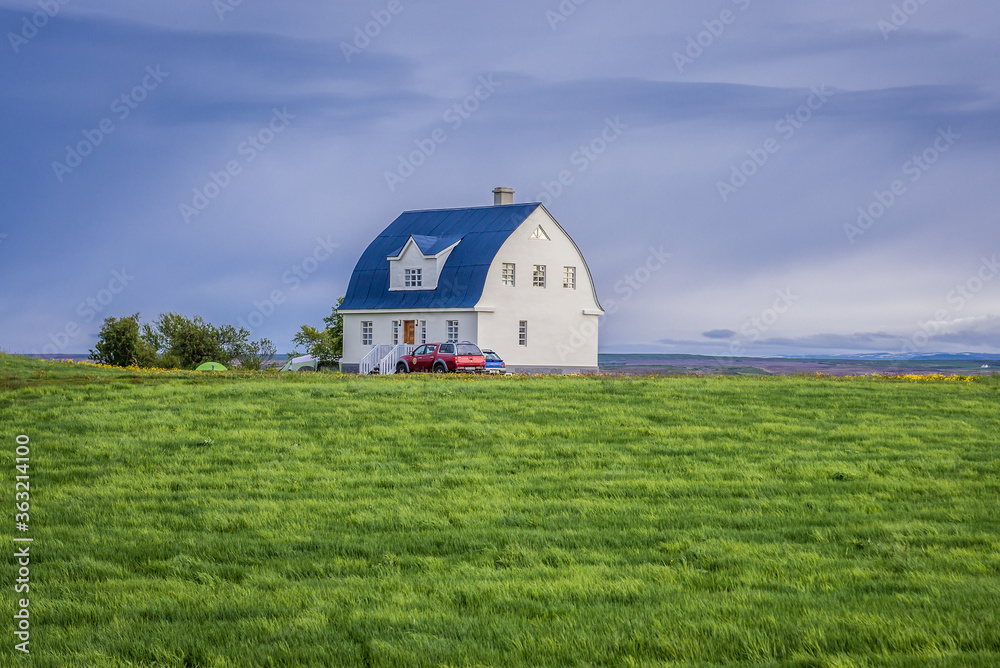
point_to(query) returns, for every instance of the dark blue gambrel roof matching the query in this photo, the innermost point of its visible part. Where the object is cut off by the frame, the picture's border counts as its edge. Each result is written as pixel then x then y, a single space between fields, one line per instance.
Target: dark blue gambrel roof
pixel 482 230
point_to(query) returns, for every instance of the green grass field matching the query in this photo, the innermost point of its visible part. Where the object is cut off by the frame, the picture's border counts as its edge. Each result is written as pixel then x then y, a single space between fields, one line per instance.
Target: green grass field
pixel 324 520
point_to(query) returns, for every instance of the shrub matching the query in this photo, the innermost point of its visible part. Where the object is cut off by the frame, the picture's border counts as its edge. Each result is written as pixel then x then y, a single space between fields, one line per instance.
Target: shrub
pixel 256 354
pixel 120 344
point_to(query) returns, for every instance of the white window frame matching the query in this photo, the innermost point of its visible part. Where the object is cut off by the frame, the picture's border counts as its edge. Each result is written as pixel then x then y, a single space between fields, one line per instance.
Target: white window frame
pixel 569 278
pixel 522 333
pixel 509 274
pixel 423 332
pixel 367 332
pixel 413 278
pixel 452 329
pixel 395 332
pixel 538 276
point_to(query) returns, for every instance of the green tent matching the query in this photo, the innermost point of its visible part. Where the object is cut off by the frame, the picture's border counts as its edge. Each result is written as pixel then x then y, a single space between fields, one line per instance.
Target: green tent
pixel 211 366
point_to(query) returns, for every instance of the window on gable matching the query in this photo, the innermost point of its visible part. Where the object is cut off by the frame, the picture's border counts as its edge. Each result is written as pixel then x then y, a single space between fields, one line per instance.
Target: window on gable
pixel 508 274
pixel 540 234
pixel 367 330
pixel 522 333
pixel 569 277
pixel 414 278
pixel 538 276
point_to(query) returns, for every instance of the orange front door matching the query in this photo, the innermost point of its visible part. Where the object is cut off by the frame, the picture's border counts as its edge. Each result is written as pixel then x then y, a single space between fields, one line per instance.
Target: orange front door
pixel 409 332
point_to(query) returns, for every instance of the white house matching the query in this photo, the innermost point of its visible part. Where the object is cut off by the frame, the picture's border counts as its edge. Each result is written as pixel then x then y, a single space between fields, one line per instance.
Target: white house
pixel 506 277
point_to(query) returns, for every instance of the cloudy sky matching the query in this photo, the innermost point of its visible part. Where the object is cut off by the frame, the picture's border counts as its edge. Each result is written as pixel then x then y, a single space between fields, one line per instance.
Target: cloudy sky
pixel 823 176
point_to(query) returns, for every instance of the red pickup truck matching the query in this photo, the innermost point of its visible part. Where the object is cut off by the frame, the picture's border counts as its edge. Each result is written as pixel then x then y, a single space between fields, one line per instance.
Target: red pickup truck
pixel 443 358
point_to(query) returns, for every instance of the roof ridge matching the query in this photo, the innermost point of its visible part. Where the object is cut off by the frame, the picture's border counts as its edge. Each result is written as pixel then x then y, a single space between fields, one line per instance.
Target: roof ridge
pixel 473 208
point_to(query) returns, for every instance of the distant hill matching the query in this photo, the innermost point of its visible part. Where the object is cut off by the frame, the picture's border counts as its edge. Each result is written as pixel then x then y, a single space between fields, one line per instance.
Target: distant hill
pixel 986 357
pixel 841 365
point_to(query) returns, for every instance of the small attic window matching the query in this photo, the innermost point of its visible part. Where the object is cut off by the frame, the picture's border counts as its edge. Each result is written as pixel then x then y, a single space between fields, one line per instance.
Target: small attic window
pixel 540 234
pixel 414 278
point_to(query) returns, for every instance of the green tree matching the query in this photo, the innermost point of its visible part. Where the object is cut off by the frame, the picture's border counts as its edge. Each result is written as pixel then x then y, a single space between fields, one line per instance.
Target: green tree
pixel 256 354
pixel 327 344
pixel 120 344
pixel 187 342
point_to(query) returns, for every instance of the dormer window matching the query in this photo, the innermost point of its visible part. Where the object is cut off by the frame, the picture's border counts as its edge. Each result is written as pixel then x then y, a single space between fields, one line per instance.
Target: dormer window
pixel 414 278
pixel 418 263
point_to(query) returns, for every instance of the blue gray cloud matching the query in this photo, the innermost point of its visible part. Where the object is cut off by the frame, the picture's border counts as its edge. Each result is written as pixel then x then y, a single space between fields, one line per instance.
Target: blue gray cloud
pixel 785 226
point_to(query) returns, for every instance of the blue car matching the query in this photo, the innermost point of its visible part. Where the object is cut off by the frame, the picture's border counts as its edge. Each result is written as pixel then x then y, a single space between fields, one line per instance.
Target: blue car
pixel 493 362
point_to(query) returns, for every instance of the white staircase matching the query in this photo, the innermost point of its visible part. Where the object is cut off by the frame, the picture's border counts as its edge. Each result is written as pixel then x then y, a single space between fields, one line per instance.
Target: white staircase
pixel 372 359
pixel 383 359
pixel 388 363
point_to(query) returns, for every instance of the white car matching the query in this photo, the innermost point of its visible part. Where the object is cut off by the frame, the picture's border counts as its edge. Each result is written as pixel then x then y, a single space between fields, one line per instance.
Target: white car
pixel 304 363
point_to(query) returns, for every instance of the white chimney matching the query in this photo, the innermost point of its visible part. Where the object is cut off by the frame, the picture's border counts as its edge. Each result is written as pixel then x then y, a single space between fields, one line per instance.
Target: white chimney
pixel 503 196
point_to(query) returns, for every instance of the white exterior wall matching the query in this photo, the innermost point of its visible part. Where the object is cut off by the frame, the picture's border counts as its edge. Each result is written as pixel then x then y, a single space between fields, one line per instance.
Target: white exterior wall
pixel 437 329
pixel 559 333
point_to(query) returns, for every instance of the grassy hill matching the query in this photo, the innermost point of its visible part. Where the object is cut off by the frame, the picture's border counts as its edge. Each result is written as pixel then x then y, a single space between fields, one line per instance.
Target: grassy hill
pixel 183 519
